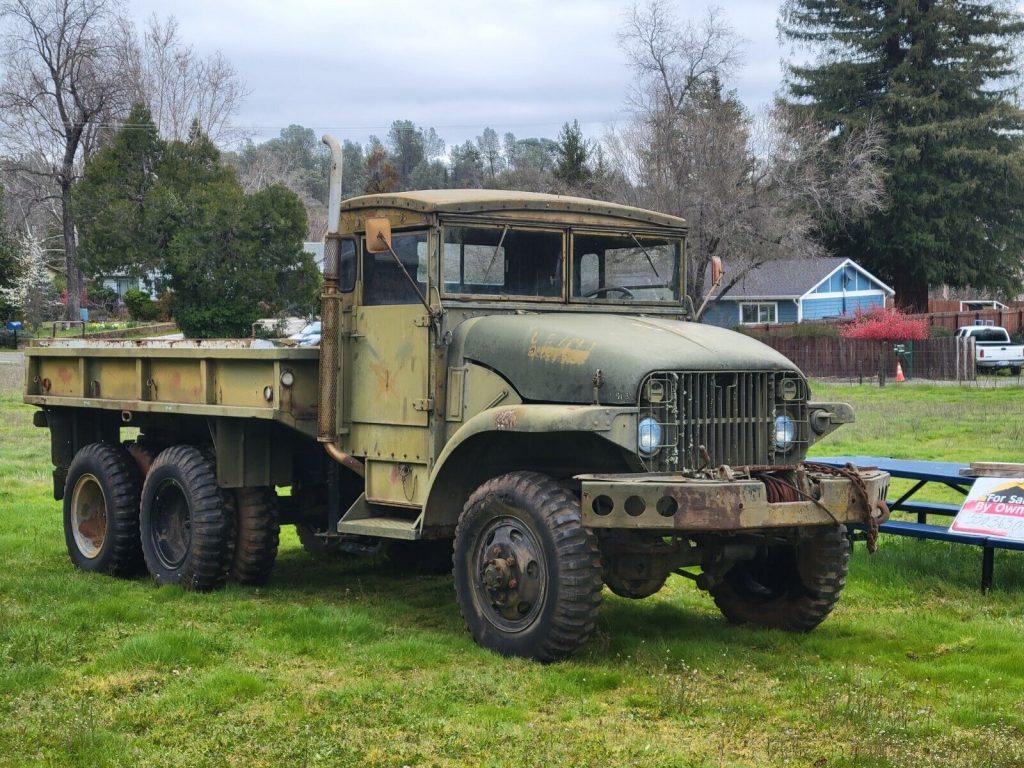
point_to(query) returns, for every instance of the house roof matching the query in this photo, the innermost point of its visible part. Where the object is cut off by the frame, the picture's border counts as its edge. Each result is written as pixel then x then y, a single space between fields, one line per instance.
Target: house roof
pixel 789 279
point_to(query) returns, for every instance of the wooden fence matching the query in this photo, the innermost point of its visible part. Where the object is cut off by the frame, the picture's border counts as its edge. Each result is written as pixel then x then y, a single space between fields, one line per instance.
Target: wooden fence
pixel 947 359
pixel 1011 319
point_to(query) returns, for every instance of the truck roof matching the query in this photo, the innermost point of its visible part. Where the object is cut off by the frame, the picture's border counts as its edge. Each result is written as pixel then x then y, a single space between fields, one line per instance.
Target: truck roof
pixel 498 200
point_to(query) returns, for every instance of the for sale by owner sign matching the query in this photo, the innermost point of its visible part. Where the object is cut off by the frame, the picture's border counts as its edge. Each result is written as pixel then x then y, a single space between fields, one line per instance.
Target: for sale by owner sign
pixel 993 508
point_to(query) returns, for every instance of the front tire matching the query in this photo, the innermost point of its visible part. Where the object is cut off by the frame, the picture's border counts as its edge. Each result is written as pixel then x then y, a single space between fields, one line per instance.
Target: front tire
pixel 187 521
pixel 527 573
pixel 791 587
pixel 101 511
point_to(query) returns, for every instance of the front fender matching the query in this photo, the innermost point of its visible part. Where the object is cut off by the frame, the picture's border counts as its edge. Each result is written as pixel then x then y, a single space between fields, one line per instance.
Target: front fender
pixel 455 474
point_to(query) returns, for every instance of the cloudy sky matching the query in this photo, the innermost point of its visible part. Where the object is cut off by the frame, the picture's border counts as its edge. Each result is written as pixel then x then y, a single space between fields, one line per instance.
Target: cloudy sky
pixel 525 66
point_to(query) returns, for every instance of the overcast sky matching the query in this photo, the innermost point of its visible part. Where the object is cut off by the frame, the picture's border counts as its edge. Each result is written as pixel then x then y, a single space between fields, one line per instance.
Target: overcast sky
pixel 525 66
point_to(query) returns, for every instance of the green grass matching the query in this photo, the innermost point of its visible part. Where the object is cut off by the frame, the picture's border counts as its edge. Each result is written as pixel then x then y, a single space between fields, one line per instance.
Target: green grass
pixel 357 664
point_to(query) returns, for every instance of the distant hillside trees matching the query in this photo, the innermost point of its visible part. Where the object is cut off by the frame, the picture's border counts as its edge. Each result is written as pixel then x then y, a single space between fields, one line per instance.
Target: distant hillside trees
pixel 413 157
pixel 172 208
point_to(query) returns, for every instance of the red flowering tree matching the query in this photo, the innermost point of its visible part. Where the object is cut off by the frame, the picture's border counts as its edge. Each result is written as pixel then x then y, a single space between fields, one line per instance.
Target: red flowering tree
pixel 885 325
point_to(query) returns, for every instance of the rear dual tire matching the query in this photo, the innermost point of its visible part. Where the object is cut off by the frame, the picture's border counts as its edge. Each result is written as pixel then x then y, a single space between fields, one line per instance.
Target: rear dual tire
pixel 101 511
pixel 188 522
pixel 257 535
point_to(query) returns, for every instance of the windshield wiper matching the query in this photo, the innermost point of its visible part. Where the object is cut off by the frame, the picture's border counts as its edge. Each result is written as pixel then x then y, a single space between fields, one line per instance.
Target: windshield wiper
pixel 497 249
pixel 649 260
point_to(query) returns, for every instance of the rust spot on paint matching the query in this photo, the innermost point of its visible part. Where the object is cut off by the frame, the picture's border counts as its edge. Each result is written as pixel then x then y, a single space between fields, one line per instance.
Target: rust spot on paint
pixel 506 419
pixel 383 376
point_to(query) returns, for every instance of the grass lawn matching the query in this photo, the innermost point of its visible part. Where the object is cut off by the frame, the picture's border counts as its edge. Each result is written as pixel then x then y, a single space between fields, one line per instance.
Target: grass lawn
pixel 357 664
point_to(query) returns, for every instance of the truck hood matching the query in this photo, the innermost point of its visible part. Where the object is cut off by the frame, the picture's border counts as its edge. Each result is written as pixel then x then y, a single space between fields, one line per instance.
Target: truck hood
pixel 554 357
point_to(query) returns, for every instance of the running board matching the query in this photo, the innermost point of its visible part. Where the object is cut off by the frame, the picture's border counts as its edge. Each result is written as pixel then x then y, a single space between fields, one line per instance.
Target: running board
pixel 366 519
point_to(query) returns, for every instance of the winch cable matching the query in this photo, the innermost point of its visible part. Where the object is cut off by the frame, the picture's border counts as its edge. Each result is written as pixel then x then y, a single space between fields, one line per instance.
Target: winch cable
pixel 779 490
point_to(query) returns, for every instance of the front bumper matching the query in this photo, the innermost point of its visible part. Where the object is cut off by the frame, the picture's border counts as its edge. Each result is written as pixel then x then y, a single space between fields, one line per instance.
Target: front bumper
pixel 672 502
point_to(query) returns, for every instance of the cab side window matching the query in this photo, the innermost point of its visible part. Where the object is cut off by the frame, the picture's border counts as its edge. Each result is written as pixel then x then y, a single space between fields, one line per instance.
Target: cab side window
pixel 383 281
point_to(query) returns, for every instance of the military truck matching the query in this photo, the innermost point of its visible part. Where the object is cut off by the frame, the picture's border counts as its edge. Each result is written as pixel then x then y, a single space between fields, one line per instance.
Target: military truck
pixel 512 381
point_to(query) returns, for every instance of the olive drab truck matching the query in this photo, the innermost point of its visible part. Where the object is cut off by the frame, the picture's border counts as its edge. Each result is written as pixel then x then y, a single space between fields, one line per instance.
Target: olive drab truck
pixel 511 384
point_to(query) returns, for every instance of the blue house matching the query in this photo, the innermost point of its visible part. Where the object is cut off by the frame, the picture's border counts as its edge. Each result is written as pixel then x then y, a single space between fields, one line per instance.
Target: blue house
pixel 793 290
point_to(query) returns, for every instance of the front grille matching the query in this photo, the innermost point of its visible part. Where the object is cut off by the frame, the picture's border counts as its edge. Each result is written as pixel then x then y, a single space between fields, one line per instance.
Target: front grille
pixel 713 418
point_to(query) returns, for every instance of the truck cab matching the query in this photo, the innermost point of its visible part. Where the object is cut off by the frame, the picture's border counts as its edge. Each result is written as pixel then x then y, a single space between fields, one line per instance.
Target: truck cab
pixel 502 363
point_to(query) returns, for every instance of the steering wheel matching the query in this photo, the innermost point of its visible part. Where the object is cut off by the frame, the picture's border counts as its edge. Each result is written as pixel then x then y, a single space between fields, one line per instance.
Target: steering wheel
pixel 604 290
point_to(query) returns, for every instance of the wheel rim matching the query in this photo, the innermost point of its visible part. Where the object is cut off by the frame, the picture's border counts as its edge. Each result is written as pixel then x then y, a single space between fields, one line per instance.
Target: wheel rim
pixel 89 516
pixel 510 577
pixel 170 524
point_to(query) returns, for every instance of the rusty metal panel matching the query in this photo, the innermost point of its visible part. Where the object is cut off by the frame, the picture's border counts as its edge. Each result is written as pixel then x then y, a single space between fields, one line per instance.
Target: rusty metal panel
pixel 390 362
pixel 400 483
pixel 60 377
pixel 243 383
pixel 169 377
pixel 388 442
pixel 175 381
pixel 114 378
pixel 676 503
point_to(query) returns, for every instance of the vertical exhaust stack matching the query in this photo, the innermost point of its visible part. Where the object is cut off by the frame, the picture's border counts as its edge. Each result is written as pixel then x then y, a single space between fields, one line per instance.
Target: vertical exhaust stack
pixel 331 323
pixel 334 186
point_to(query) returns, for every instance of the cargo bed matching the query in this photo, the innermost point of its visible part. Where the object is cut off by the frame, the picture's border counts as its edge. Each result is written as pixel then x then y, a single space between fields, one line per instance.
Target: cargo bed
pixel 223 377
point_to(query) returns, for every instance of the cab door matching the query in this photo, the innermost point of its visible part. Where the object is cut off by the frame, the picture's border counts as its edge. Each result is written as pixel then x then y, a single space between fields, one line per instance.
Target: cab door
pixel 390 406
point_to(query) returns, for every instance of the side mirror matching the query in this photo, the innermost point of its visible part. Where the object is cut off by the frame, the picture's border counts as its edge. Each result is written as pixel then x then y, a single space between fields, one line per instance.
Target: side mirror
pixel 716 271
pixel 378 235
pixel 716 279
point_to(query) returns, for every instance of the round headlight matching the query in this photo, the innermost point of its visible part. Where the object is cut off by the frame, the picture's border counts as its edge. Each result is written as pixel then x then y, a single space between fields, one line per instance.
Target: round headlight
pixel 648 438
pixel 785 433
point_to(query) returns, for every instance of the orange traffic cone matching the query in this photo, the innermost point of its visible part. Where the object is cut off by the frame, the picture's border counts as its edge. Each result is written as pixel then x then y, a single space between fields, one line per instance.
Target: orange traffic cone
pixel 899 372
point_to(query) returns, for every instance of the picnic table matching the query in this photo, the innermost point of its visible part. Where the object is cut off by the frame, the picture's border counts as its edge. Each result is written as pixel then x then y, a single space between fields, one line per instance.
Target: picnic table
pixel 925 473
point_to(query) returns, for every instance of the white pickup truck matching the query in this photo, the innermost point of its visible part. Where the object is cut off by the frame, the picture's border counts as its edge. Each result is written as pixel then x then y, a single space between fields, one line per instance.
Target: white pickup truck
pixel 993 349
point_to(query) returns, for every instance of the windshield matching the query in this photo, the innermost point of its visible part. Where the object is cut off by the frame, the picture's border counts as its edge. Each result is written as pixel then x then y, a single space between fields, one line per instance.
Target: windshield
pixel 991 334
pixel 624 267
pixel 502 261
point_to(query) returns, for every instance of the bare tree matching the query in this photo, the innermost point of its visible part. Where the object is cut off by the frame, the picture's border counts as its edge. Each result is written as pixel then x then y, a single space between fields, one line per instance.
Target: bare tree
pixel 181 87
pixel 490 150
pixel 63 81
pixel 751 190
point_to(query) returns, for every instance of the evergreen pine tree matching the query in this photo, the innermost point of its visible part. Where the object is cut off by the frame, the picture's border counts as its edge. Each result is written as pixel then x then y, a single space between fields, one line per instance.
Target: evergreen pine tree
pixel 112 203
pixel 573 167
pixel 935 75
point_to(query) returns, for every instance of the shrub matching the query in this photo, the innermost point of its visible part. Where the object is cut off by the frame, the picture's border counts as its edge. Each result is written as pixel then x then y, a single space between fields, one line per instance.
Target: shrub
pixel 140 306
pixel 103 298
pixel 163 306
pixel 886 325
